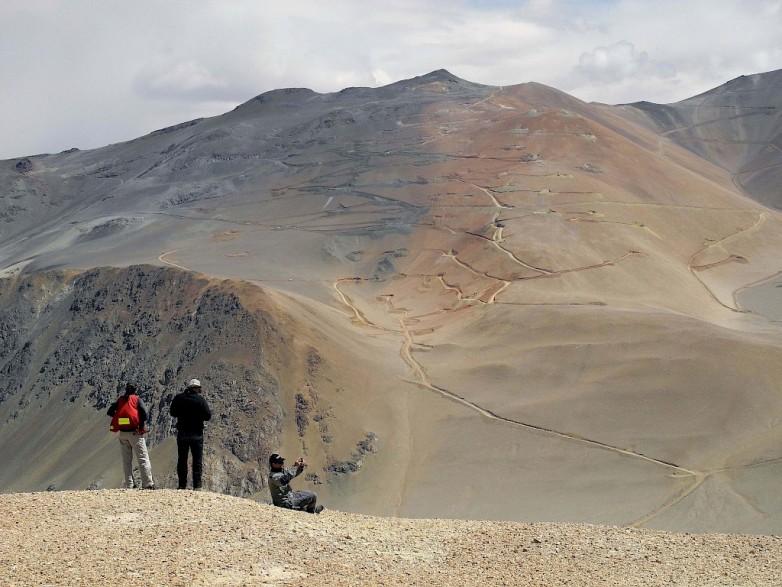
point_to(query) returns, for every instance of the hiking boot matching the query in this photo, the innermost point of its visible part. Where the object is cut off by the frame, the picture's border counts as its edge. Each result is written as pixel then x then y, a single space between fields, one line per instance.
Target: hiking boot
pixel 318 509
pixel 152 487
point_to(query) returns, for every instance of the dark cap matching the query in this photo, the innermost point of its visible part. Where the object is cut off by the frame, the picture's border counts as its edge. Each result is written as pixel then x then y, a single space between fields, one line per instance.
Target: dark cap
pixel 275 459
pixel 130 388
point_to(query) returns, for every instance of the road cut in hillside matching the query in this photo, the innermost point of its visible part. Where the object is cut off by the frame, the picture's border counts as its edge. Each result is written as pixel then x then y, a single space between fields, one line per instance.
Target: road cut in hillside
pixel 187 538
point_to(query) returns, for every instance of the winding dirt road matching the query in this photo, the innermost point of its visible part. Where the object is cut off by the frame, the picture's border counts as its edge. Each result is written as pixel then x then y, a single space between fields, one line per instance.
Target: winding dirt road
pixel 422 379
pixel 693 268
pixel 162 259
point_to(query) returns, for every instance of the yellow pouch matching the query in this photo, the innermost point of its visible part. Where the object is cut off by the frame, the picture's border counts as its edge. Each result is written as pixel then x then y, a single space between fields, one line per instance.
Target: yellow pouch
pixel 123 421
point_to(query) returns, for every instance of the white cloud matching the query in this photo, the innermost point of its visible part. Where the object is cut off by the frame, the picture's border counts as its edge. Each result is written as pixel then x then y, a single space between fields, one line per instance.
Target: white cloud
pixel 186 80
pixel 84 73
pixel 619 61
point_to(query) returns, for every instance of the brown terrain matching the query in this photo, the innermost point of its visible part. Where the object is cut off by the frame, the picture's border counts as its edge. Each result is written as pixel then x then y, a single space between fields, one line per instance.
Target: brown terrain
pixel 95 538
pixel 455 300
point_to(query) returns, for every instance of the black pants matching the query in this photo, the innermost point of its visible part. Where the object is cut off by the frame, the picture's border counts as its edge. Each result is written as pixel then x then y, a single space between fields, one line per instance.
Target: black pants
pixel 195 445
pixel 303 500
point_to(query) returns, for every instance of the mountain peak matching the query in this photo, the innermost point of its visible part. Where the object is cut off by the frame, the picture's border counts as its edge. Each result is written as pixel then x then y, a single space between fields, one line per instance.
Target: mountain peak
pixel 438 75
pixel 442 76
pixel 297 95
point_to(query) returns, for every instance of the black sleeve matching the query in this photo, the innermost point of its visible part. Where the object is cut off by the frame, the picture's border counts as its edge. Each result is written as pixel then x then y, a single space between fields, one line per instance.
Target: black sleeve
pixel 174 410
pixel 207 411
pixel 112 409
pixel 291 473
pixel 143 415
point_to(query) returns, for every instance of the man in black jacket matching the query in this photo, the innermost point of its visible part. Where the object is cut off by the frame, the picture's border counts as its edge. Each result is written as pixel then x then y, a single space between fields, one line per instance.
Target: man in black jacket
pixel 191 411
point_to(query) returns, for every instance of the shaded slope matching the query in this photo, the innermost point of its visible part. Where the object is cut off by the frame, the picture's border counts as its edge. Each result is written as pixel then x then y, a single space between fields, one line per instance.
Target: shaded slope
pixel 737 125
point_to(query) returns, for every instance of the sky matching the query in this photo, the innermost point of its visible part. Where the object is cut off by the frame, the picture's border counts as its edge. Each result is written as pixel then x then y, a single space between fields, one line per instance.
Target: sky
pixel 85 73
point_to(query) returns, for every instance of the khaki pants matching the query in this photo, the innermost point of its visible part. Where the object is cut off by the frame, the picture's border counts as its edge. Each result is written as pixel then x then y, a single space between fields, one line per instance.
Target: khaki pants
pixel 130 442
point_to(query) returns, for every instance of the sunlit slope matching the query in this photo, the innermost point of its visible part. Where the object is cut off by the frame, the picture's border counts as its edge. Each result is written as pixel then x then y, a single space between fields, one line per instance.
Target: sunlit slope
pixel 209 539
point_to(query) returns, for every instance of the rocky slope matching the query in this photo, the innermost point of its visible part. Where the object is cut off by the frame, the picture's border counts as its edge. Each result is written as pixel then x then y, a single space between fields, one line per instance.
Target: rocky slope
pixel 182 538
pixel 70 341
pixel 73 340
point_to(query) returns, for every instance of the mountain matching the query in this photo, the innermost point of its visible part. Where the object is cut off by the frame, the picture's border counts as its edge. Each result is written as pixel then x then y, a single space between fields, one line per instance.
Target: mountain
pixel 484 302
pixel 737 126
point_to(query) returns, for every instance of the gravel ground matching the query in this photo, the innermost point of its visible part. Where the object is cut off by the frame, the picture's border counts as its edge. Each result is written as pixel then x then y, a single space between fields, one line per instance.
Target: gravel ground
pixel 186 538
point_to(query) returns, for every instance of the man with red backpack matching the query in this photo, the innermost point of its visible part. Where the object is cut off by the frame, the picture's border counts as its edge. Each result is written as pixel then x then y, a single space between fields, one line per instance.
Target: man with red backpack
pixel 129 419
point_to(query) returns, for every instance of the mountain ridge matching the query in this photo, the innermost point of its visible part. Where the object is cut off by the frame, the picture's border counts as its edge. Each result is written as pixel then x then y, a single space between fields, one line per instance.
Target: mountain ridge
pixel 438 75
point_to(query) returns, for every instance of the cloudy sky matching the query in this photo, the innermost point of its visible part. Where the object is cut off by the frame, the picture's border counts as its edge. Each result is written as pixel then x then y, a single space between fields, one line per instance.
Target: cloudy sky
pixel 86 73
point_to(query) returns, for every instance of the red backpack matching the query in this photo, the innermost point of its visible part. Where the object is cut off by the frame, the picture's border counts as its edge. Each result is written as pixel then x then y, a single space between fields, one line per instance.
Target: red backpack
pixel 126 416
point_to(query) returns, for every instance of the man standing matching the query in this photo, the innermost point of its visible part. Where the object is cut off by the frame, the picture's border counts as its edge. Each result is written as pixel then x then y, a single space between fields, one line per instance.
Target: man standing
pixel 282 494
pixel 129 418
pixel 191 411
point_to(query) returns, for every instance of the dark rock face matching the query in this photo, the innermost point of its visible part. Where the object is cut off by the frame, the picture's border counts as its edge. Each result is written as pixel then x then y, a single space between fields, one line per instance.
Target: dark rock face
pixel 302 411
pixel 109 228
pixel 24 166
pixel 82 338
pixel 365 446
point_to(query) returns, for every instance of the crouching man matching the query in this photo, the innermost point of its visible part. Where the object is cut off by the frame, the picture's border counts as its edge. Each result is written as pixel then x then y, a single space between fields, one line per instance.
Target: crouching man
pixel 279 486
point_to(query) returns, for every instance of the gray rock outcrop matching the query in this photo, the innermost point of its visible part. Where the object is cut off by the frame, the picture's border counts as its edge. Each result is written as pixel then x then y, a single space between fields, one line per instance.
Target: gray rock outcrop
pixel 78 338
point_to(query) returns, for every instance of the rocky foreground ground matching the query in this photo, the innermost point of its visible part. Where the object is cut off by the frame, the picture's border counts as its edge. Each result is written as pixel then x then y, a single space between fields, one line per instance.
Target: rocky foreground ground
pixel 184 538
